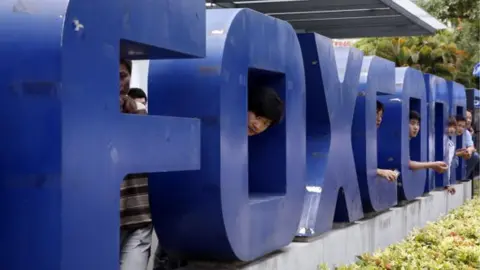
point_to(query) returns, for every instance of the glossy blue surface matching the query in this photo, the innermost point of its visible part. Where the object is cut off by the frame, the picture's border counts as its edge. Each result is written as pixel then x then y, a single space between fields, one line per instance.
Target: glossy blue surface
pixel 437 117
pixel 377 78
pixel 473 99
pixel 66 147
pixel 246 200
pixel 332 77
pixel 476 103
pixel 396 147
pixel 458 106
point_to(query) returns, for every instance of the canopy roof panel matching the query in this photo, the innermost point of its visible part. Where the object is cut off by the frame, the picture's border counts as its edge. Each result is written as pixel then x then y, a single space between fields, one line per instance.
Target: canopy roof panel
pixel 346 18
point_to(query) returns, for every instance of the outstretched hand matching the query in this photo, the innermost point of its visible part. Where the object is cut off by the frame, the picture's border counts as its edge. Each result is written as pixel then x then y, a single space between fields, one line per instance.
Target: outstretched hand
pixel 463 153
pixel 390 175
pixel 439 166
pixel 451 190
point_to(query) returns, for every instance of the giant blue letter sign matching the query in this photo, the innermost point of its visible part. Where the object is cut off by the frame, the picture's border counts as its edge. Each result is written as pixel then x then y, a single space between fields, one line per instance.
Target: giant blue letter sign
pixel 65 146
pixel 236 206
pixel 438 107
pixel 396 147
pixel 458 106
pixel 332 79
pixel 377 77
pixel 215 193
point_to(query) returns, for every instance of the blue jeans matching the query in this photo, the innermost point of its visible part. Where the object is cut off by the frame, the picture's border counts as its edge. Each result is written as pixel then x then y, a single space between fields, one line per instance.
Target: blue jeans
pixel 472 163
pixel 135 248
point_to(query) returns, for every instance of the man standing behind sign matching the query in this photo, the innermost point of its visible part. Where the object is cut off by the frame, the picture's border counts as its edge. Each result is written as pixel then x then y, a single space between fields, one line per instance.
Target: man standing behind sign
pixel 469 152
pixel 135 219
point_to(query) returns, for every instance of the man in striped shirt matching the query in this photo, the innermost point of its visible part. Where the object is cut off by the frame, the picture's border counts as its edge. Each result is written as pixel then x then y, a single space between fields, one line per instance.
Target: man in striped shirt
pixel 135 220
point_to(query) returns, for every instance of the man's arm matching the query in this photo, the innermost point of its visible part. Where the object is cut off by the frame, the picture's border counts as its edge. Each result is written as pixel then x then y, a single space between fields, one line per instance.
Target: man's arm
pixel 438 166
pixel 469 143
pixel 390 175
pixel 127 104
pixel 141 108
pixel 415 165
pixel 471 150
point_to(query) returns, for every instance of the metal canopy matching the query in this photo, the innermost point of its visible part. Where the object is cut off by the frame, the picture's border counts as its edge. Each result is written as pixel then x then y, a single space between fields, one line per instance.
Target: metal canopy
pixel 346 18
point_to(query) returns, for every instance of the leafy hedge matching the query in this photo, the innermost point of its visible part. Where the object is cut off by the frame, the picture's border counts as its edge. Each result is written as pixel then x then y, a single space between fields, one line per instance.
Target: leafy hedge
pixel 476 186
pixel 453 243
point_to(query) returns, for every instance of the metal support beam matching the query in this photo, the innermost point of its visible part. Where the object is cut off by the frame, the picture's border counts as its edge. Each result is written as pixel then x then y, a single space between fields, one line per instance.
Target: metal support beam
pixel 347 18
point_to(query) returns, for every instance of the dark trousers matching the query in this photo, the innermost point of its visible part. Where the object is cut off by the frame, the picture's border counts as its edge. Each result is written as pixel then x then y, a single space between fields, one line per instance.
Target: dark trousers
pixel 165 262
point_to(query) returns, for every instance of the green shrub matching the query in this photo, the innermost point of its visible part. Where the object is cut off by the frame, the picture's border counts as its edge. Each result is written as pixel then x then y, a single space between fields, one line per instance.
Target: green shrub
pixel 476 187
pixel 452 243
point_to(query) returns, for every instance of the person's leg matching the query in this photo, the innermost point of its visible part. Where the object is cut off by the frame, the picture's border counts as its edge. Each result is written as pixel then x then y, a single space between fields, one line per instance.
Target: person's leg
pixel 164 262
pixel 472 163
pixel 135 248
pixel 161 259
pixel 453 169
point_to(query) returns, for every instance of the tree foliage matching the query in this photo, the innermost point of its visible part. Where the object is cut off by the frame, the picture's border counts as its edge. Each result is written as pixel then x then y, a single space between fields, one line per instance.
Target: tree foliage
pixel 450 53
pixel 453 11
pixel 435 54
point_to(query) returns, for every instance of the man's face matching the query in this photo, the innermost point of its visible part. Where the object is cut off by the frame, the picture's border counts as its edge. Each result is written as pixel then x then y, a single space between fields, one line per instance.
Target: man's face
pixel 460 127
pixel 414 128
pixel 124 79
pixel 379 118
pixel 451 130
pixel 468 117
pixel 257 124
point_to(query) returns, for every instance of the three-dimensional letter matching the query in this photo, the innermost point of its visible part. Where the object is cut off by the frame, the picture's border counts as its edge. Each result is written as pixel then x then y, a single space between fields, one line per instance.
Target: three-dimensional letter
pixel 247 198
pixel 332 78
pixel 438 107
pixel 377 77
pixel 67 147
pixel 397 148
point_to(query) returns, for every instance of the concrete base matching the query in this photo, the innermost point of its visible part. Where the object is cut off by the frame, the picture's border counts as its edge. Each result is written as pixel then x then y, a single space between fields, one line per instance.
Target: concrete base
pixel 341 246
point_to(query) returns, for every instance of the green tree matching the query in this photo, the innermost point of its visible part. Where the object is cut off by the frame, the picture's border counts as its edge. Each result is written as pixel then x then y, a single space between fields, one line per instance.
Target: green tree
pixel 450 53
pixel 453 11
pixel 436 54
pixel 464 17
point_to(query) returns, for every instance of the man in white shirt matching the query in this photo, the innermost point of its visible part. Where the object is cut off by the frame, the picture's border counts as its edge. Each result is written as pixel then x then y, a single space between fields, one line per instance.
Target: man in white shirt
pixel 449 150
pixel 135 219
pixel 413 130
